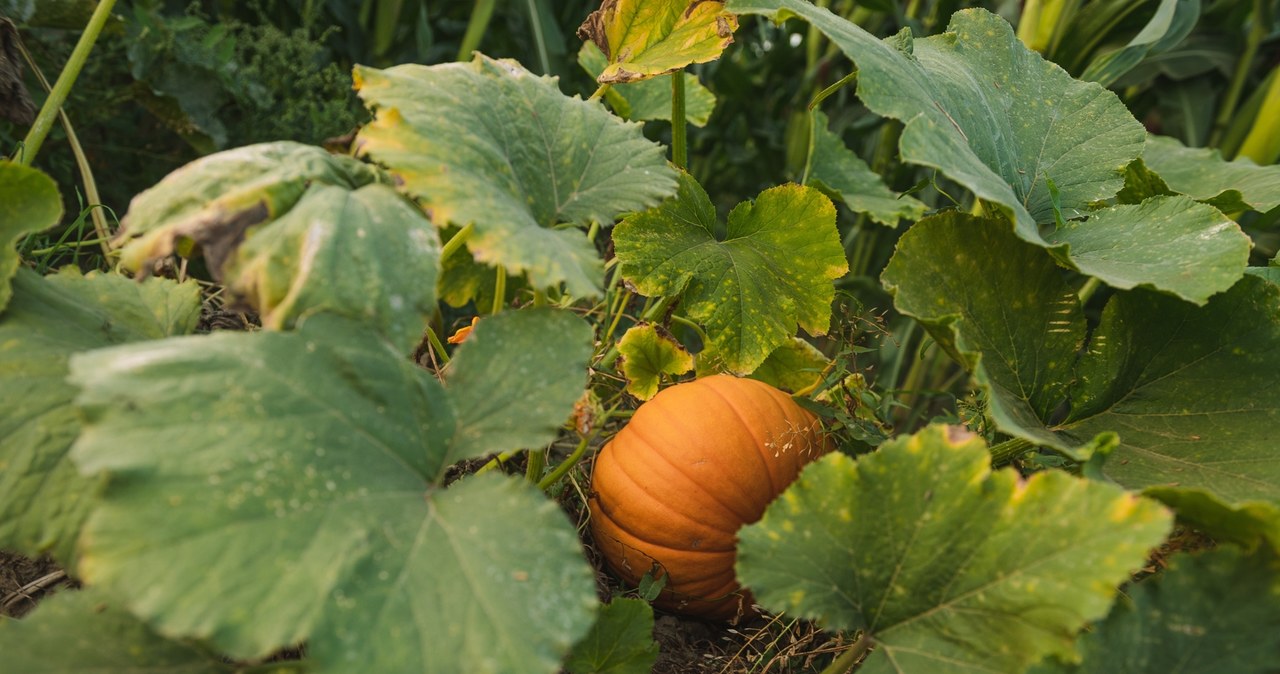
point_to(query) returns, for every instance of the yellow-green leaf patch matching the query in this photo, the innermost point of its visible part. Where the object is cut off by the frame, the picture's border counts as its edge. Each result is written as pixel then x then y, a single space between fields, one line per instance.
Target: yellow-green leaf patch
pixel 646 38
pixel 649 99
pixel 647 354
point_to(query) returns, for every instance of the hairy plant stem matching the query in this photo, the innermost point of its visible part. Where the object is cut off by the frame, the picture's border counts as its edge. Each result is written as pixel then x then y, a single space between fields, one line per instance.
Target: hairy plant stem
pixel 567 465
pixel 1088 289
pixel 679 136
pixel 452 245
pixel 536 463
pixel 1232 98
pixel 476 27
pixel 58 95
pixel 1004 452
pixel 697 329
pixel 438 346
pixel 600 91
pixel 846 660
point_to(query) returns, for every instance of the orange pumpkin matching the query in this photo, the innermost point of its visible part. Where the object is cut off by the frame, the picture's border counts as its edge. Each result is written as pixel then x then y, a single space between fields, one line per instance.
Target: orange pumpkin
pixel 695 464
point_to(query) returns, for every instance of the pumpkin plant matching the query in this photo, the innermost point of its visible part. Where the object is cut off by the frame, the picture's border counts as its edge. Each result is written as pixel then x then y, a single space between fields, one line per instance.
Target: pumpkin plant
pixel 311 497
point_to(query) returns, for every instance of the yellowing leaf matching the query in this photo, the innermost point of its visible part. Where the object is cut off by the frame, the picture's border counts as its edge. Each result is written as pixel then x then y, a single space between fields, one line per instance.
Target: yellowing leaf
pixel 647 38
pixel 647 354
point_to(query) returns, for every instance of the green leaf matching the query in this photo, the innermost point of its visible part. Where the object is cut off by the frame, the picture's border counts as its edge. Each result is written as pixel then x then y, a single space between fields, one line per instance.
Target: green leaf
pixel 647 354
pixel 841 174
pixel 463 280
pixel 43 499
pixel 1271 273
pixel 1174 244
pixel 1247 523
pixel 794 366
pixel 650 99
pixel 535 160
pixel 771 271
pixel 1190 390
pixel 1171 23
pixel 620 642
pixel 945 564
pixel 271 488
pixel 1203 175
pixel 367 253
pixel 515 379
pixel 1217 611
pixel 29 203
pixel 214 201
pixel 986 111
pixel 77 632
pixel 647 38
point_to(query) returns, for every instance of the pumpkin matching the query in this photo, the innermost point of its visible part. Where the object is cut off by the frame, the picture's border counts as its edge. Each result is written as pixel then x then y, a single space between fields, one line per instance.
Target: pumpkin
pixel 696 463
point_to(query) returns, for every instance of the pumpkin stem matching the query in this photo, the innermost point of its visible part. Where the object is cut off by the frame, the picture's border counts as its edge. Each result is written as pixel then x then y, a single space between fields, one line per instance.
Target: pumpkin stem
pixel 850 657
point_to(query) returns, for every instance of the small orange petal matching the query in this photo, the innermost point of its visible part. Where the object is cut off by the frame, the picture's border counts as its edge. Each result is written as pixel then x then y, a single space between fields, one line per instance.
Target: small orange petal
pixel 463 333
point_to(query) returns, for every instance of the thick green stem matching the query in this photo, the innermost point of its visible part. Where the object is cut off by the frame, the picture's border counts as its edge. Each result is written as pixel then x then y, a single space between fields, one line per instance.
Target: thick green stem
pixel 679 139
pixel 846 660
pixel 44 121
pixel 533 467
pixel 697 329
pixel 1088 289
pixel 1004 452
pixel 1262 144
pixel 499 289
pixel 476 27
pixel 567 465
pixel 539 298
pixel 1231 99
pixel 600 91
pixel 452 245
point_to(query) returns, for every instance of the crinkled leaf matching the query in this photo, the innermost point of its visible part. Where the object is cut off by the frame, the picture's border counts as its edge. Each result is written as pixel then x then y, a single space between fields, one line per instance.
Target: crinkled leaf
pixel 80 632
pixel 1189 389
pixel 986 111
pixel 647 38
pixel 29 203
pixel 649 99
pixel 1217 611
pixel 621 641
pixel 945 564
pixel 841 174
pixel 43 499
pixel 215 201
pixel 1203 175
pixel 271 488
pixel 515 379
pixel 771 271
pixel 367 253
pixel 1174 244
pixel 647 354
pixel 1171 23
pixel 489 143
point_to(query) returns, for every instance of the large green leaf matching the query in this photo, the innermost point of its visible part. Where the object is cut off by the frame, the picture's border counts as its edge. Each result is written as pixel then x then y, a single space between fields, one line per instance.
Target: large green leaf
pixel 213 202
pixel 986 111
pixel 29 203
pixel 1218 611
pixel 771 271
pixel 79 632
pixel 646 38
pixel 944 564
pixel 489 143
pixel 1203 175
pixel 43 499
pixel 271 488
pixel 836 170
pixel 1190 390
pixel 651 98
pixel 1173 244
pixel 621 641
pixel 365 253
